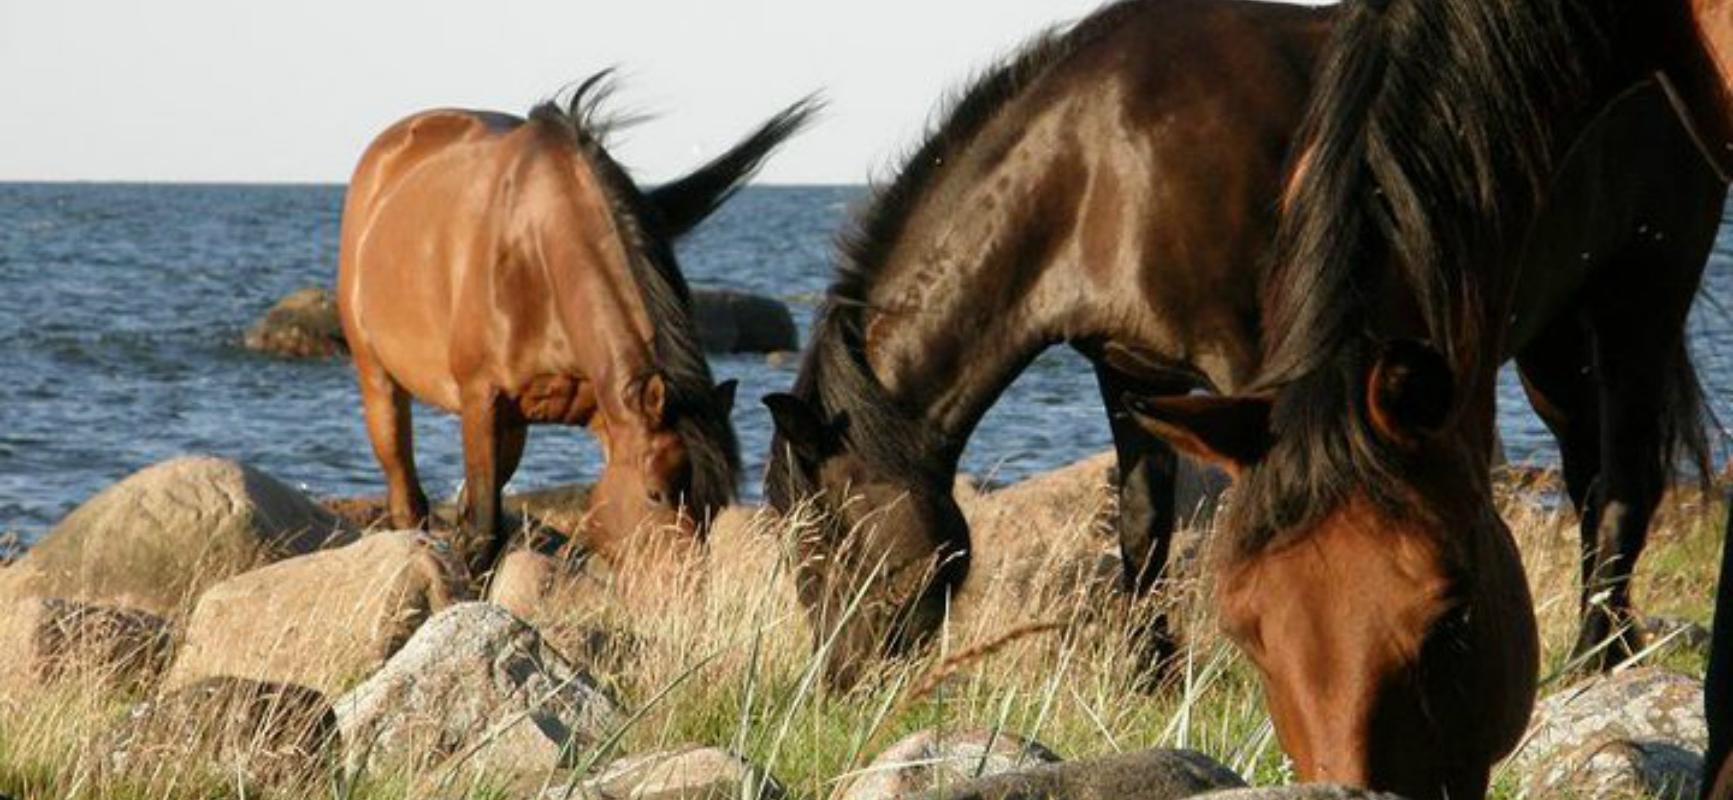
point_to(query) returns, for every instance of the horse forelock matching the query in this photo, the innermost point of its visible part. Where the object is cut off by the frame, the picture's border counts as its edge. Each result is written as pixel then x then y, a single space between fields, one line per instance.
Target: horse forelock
pixel 704 427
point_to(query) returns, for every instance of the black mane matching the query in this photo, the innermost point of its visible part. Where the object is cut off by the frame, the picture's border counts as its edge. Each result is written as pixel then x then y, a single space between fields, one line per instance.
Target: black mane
pixel 1428 143
pixel 711 445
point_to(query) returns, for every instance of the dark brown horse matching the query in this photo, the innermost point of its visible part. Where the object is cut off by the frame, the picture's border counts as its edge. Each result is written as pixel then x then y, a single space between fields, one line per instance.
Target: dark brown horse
pixel 1475 179
pixel 1113 188
pixel 1718 684
pixel 508 270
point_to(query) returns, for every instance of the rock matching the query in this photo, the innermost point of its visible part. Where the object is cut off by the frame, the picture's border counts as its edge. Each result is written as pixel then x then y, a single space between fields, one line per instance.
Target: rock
pixel 323 620
pixel 1639 733
pixel 929 759
pixel 267 733
pixel 560 509
pixel 736 322
pixel 1308 791
pixel 47 640
pixel 1675 633
pixel 302 325
pixel 478 686
pixel 567 603
pixel 1146 775
pixel 305 324
pixel 157 539
pixel 687 773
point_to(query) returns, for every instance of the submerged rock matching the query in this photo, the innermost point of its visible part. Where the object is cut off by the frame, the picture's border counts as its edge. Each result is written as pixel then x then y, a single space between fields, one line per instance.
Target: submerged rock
pixel 1639 733
pixel 477 685
pixel 302 325
pixel 157 539
pixel 323 620
pixel 931 759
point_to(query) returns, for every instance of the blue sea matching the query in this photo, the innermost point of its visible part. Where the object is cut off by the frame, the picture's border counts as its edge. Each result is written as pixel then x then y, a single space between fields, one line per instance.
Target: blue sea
pixel 122 309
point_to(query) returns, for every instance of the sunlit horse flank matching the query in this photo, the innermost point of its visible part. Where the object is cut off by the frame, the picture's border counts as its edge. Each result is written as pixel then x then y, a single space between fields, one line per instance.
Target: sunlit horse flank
pixel 508 270
pixel 1453 149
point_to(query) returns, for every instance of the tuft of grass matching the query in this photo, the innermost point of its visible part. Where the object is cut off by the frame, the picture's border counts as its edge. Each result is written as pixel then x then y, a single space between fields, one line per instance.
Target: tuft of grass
pixel 1039 644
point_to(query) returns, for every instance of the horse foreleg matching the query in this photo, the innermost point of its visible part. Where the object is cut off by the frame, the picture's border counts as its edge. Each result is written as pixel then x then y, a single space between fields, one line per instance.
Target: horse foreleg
pixel 1145 489
pixel 386 407
pixel 483 536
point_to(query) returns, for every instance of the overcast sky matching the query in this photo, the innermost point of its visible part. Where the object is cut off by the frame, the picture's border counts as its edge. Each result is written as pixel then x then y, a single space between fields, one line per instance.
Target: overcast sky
pixel 236 90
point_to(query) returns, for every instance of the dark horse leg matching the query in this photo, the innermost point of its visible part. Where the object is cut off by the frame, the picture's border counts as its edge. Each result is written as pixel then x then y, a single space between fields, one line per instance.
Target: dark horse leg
pixel 1145 478
pixel 386 406
pixel 1557 374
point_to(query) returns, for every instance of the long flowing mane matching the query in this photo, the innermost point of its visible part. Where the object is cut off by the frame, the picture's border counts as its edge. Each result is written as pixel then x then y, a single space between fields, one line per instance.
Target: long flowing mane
pixel 836 370
pixel 711 445
pixel 1426 148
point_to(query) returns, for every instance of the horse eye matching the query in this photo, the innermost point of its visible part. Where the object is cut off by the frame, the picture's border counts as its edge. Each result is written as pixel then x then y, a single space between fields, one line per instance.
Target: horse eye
pixel 657 497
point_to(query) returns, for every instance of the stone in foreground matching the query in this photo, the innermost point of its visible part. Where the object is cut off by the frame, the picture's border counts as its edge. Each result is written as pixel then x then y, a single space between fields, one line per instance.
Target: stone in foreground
pixel 1639 733
pixel 477 685
pixel 687 773
pixel 931 759
pixel 1146 775
pixel 46 640
pixel 1309 791
pixel 157 539
pixel 264 732
pixel 324 620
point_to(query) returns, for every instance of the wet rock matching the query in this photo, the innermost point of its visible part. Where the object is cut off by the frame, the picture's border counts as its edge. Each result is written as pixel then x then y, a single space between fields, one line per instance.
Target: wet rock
pixel 930 759
pixel 479 689
pixel 265 732
pixel 736 322
pixel 1636 734
pixel 157 539
pixel 302 325
pixel 687 773
pixel 323 620
pixel 1146 775
pixel 47 640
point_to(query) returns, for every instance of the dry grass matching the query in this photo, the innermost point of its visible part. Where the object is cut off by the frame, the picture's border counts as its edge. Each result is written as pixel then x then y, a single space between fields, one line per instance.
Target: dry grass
pixel 1037 649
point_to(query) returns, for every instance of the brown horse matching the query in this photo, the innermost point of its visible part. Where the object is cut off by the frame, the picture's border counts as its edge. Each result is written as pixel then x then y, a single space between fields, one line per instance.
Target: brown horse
pixel 1476 178
pixel 1718 684
pixel 508 270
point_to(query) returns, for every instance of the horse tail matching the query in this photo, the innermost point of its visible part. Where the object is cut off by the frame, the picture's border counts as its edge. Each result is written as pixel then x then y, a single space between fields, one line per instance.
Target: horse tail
pixel 1718 683
pixel 1684 414
pixel 685 202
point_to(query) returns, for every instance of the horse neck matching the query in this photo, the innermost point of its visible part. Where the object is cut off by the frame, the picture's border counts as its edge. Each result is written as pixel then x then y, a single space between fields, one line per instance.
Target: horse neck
pixel 961 305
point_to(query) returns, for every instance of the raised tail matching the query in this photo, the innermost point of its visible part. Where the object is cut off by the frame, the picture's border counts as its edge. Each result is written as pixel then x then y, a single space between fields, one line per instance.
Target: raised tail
pixel 685 202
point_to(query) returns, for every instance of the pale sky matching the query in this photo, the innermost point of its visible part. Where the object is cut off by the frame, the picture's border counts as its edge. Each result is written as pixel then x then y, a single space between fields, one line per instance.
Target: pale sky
pixel 292 90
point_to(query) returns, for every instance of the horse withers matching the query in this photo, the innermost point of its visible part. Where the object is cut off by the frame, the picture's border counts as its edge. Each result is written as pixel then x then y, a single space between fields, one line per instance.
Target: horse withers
pixel 508 270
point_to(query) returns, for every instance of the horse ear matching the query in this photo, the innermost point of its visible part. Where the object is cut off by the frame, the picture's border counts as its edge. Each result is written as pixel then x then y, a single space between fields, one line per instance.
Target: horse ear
pixel 1230 432
pixel 1410 392
pixel 725 395
pixel 683 203
pixel 799 424
pixel 653 399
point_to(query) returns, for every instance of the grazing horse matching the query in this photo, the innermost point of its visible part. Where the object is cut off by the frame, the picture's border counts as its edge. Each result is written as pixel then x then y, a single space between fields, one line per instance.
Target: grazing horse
pixel 509 271
pixel 1109 187
pixel 1475 179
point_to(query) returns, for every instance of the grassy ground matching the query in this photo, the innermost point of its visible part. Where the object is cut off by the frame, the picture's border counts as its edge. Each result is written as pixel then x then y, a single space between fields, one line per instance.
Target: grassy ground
pixel 732 667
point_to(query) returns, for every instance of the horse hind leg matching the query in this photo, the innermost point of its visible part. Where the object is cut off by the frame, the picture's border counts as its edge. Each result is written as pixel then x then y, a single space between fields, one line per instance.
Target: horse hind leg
pixel 385 404
pixel 1146 520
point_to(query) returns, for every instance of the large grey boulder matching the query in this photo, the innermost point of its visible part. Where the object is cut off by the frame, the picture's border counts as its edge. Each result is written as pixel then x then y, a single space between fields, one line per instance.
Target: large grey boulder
pixel 267 733
pixel 302 325
pixel 1640 733
pixel 477 685
pixel 159 538
pixel 48 640
pixel 686 773
pixel 1145 775
pixel 931 759
pixel 324 620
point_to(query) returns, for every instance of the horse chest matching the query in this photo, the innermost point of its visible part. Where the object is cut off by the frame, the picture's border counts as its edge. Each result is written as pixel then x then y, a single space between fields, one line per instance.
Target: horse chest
pixel 557 400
